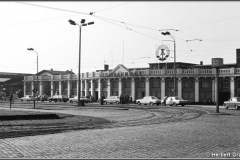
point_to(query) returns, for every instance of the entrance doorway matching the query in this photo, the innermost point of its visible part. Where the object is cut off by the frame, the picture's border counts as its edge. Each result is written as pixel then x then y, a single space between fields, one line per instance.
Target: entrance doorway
pixel 96 96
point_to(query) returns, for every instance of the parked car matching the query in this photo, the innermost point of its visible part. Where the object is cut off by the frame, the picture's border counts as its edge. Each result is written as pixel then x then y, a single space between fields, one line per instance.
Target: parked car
pixel 42 98
pixel 58 98
pixel 233 102
pixel 111 99
pixel 148 100
pixel 27 98
pixel 174 101
pixel 75 99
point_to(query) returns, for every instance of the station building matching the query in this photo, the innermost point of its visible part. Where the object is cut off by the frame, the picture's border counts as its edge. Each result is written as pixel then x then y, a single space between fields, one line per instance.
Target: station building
pixel 194 82
pixel 12 83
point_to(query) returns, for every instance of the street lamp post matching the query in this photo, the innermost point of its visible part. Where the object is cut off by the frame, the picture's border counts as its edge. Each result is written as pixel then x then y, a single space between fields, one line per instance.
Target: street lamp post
pixel 36 90
pixel 79 68
pixel 169 34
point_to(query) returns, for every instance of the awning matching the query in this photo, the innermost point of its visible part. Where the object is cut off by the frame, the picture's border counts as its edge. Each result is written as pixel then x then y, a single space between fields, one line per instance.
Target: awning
pixel 4 79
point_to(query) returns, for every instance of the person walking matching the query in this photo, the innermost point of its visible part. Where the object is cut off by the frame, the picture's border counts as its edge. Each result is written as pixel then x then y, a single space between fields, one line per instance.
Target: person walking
pixel 11 98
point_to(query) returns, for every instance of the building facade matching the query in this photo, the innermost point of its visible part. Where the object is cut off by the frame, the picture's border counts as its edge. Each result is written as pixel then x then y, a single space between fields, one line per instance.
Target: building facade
pixel 194 82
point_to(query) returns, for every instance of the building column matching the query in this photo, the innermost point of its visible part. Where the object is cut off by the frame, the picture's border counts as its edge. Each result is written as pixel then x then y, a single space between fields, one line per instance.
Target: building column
pixel 92 88
pixel 162 88
pixel 179 87
pixel 196 90
pixel 60 88
pixel 119 87
pixel 147 88
pixel 133 90
pixel 213 90
pixel 81 88
pixel 24 89
pixel 86 88
pixel 69 89
pixel 32 87
pixel 99 88
pixel 51 88
pixel 109 87
pixel 232 87
pixel 41 88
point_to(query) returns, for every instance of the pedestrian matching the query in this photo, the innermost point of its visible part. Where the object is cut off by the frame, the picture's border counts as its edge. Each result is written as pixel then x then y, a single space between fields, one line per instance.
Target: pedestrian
pixel 11 98
pixel 91 98
pixel 121 99
pixel 164 100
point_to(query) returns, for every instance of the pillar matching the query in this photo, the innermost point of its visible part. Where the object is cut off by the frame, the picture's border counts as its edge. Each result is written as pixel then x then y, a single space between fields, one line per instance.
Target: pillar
pixel 69 89
pixel 32 87
pixel 86 88
pixel 163 88
pixel 24 89
pixel 119 86
pixel 133 89
pixel 60 88
pixel 81 87
pixel 109 88
pixel 41 88
pixel 147 88
pixel 196 90
pixel 232 87
pixel 99 88
pixel 179 87
pixel 52 89
pixel 92 88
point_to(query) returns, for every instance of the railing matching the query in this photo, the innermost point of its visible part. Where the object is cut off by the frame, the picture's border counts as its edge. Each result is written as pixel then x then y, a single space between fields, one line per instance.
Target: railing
pixel 225 71
pixel 206 71
pixel 187 71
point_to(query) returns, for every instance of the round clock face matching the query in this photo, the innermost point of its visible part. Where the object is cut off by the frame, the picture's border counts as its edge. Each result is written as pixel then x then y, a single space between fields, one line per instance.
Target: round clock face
pixel 162 52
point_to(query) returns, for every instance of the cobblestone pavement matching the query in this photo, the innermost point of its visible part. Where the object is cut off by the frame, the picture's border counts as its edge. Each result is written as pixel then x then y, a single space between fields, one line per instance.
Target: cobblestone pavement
pixel 205 136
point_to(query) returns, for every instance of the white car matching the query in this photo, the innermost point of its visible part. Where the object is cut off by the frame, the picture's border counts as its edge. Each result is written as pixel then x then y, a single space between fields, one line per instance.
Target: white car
pixel 27 98
pixel 75 99
pixel 148 100
pixel 174 101
pixel 112 99
pixel 233 102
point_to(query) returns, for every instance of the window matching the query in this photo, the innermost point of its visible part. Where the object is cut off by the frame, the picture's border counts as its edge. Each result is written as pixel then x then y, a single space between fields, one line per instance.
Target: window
pixel 155 83
pixel 127 84
pixel 105 84
pixel 204 83
pixel 171 84
pixel 115 84
pixel 141 84
pixel 225 85
pixel 188 84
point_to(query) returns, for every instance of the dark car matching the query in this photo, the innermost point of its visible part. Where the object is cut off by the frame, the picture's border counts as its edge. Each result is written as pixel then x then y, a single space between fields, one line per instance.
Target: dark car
pixel 58 98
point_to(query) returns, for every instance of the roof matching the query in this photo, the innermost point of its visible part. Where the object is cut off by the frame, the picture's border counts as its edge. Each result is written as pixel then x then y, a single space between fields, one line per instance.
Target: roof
pixel 57 72
pixel 4 79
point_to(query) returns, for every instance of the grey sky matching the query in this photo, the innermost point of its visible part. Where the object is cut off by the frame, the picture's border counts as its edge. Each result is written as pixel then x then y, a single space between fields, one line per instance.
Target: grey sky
pixel 133 24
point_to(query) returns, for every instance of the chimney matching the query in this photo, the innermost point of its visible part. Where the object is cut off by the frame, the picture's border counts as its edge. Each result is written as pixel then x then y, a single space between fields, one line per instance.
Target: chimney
pixel 106 67
pixel 238 58
pixel 201 62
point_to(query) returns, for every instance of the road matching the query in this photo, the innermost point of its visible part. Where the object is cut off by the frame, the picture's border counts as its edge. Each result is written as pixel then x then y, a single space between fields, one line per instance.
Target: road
pixel 168 133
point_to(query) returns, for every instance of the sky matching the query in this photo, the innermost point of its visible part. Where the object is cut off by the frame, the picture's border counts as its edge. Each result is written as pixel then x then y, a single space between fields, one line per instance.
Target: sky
pixel 124 32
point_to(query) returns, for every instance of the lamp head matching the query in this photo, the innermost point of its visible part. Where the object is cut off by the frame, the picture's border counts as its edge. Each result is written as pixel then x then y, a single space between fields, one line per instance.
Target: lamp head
pixel 90 23
pixel 83 21
pixel 30 49
pixel 72 22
